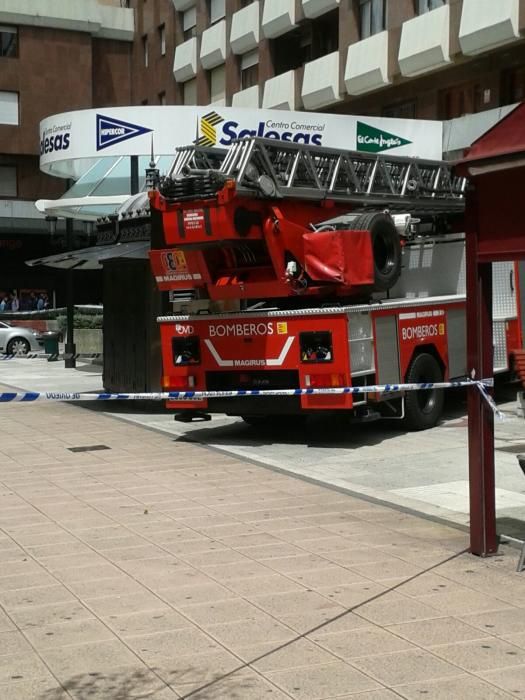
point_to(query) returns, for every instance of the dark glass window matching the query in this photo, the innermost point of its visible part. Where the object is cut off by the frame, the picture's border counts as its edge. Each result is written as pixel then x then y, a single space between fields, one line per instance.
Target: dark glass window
pixel 423 6
pixel 401 110
pixel 372 17
pixel 8 41
pixel 311 40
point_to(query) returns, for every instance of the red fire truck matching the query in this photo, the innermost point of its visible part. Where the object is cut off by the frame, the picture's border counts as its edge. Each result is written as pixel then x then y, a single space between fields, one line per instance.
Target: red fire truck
pixel 339 269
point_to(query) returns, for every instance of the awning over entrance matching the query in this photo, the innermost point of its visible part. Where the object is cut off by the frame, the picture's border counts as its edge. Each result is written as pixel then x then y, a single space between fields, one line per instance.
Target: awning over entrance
pixel 93 257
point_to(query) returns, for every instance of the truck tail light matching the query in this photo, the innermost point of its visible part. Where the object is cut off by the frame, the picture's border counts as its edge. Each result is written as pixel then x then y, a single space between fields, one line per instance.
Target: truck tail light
pixel 322 381
pixel 178 383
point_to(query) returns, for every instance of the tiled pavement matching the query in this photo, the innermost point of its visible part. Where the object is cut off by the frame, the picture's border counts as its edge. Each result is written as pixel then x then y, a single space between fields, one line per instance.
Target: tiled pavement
pixel 161 569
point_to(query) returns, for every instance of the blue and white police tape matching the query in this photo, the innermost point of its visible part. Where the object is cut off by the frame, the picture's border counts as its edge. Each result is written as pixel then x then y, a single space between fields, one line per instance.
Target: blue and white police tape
pixel 52 356
pixel 34 396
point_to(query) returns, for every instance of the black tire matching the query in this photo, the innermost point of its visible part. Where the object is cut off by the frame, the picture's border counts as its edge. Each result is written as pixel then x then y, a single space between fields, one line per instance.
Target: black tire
pixel 18 346
pixel 423 409
pixel 386 248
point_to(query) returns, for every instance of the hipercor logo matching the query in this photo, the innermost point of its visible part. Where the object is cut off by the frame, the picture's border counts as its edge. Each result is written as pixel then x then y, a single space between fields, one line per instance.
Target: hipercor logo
pixel 111 131
pixel 373 140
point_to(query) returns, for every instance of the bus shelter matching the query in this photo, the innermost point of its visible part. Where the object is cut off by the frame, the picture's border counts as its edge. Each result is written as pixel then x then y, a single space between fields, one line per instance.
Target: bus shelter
pixel 495 231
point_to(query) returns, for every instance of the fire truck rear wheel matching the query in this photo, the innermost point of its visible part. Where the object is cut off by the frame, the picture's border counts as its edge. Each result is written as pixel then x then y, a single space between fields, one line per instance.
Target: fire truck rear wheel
pixel 423 409
pixel 385 246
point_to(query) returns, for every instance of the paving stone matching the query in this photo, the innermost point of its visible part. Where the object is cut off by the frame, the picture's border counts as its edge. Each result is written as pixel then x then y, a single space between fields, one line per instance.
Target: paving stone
pixel 43 688
pixel 191 594
pixel 235 635
pixel 230 610
pixel 512 680
pixel 196 668
pixel 244 685
pixel 126 682
pixel 21 667
pixel 482 655
pixel 94 657
pixel 13 642
pixel 392 608
pixel 299 653
pixel 500 622
pixel 41 595
pixel 273 583
pixel 161 646
pixel 68 633
pixel 464 687
pixel 322 681
pixel 41 615
pixel 124 604
pixel 442 630
pixel 147 622
pixel 363 641
pixel 405 667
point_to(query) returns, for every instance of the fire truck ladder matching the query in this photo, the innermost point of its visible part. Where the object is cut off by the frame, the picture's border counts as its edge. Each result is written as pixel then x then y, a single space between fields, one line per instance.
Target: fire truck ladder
pixel 277 169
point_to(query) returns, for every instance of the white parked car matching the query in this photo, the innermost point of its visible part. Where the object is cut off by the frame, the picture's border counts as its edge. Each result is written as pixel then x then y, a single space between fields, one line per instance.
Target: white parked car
pixel 15 340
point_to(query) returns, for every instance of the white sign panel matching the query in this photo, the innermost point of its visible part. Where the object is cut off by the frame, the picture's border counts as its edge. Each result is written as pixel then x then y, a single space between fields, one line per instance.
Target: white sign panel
pixel 122 131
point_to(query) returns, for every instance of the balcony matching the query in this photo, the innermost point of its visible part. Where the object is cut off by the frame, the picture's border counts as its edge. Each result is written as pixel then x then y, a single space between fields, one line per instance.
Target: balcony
pixel 279 92
pixel 367 65
pixel 425 42
pixel 185 61
pixel 183 5
pixel 321 82
pixel 246 98
pixel 278 17
pixel 316 8
pixel 486 25
pixel 213 46
pixel 244 33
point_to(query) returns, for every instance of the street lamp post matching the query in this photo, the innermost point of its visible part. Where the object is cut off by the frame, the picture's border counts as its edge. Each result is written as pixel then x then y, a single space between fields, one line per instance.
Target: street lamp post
pixel 70 348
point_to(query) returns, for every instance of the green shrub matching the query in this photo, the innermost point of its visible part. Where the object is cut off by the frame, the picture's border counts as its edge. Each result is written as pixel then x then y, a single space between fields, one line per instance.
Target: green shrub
pixel 81 321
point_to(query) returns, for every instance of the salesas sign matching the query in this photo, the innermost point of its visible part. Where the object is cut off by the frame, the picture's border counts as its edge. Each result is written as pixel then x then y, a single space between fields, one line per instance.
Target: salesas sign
pixel 215 130
pixel 373 140
pixel 111 131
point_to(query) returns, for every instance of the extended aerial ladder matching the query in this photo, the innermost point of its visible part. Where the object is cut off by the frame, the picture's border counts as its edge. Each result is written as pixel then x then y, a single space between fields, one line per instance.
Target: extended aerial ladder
pixel 268 218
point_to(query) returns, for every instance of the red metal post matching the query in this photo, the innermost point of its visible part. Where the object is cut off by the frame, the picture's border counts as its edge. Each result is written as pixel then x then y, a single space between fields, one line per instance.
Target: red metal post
pixel 483 539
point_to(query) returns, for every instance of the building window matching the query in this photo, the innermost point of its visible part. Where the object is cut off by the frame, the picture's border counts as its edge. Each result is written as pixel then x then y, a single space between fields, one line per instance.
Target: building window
pixel 189 23
pixel 218 84
pixel 249 69
pixel 9 108
pixel 8 186
pixel 8 41
pixel 162 39
pixel 400 110
pixel 467 98
pixel 372 17
pixel 189 92
pixel 423 6
pixel 512 86
pixel 216 10
pixel 162 98
pixel 311 40
pixel 145 50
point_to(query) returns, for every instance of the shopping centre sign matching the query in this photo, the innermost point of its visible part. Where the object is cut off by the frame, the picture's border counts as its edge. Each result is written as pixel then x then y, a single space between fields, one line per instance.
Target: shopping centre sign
pixel 67 140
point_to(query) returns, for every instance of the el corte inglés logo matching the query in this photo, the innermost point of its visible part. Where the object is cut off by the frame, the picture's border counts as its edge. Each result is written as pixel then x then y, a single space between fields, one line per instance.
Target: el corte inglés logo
pixel 374 140
pixel 111 131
